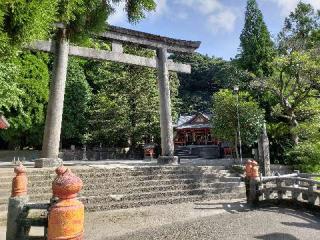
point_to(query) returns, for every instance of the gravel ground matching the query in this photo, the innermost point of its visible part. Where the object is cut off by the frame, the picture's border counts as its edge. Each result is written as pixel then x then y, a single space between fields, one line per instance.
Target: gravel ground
pixel 214 220
pixel 230 220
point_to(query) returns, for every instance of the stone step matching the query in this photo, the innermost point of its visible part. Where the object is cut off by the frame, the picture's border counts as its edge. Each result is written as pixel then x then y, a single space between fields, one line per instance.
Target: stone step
pixel 45 193
pixel 159 188
pixel 156 194
pixel 230 179
pixel 162 201
pixel 135 170
pixel 134 186
pixel 46 185
pixel 47 182
pixel 105 174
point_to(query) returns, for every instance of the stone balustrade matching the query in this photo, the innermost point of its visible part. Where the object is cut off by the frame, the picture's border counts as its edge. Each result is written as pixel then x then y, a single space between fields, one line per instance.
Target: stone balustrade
pixel 297 187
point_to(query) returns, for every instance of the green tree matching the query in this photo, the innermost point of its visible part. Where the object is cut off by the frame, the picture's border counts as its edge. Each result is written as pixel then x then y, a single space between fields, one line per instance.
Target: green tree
pixel 20 22
pixel 9 90
pixel 125 108
pixel 294 85
pixel 225 119
pixel 23 21
pixel 27 116
pixel 256 47
pixel 76 103
pixel 301 30
pixel 208 75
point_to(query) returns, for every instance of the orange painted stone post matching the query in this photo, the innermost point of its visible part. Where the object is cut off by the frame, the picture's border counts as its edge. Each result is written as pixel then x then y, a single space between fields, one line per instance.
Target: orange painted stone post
pixel 17 201
pixel 254 184
pixel 19 182
pixel 248 168
pixel 66 217
pixel 254 170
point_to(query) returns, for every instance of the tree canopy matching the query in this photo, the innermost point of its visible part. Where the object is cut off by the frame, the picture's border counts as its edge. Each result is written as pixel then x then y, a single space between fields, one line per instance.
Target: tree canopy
pixel 225 119
pixel 256 47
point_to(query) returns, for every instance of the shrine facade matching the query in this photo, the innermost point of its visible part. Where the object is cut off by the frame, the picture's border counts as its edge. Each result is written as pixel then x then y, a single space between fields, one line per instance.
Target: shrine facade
pixel 194 130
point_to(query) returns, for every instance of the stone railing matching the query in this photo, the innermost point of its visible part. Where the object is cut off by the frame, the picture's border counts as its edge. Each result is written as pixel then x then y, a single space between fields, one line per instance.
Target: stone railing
pixel 297 187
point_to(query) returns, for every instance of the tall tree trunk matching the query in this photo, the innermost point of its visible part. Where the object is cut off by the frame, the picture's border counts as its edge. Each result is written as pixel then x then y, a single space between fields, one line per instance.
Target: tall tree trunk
pixel 293 127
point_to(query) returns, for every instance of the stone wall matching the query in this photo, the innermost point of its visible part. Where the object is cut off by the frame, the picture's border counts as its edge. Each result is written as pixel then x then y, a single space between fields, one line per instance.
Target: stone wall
pixel 69 155
pixel 282 169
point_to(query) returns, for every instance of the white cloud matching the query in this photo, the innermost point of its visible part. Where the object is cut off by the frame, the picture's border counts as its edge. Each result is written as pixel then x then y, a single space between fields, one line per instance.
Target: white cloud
pixel 162 7
pixel 222 21
pixel 220 18
pixel 287 6
pixel 119 15
pixel 204 6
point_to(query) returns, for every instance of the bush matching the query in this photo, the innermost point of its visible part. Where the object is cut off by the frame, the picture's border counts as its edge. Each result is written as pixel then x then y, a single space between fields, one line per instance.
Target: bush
pixel 306 156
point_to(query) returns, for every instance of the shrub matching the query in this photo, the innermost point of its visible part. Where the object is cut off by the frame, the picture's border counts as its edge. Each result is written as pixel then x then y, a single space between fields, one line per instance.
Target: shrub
pixel 306 156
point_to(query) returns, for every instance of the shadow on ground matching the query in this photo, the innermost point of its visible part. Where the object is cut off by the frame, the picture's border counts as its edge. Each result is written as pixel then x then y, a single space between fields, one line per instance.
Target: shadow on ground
pixel 232 207
pixel 277 236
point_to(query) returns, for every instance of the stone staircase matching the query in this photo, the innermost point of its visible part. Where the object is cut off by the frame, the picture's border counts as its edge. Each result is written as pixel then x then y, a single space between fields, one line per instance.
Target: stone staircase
pixel 116 188
pixel 198 151
pixel 184 152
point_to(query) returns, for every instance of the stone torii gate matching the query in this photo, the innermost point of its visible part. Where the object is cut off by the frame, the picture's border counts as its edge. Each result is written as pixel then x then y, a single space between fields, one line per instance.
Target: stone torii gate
pixel 117 36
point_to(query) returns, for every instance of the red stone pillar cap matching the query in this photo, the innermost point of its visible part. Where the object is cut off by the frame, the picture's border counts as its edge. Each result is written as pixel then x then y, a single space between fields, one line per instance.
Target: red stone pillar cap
pixel 66 185
pixel 20 169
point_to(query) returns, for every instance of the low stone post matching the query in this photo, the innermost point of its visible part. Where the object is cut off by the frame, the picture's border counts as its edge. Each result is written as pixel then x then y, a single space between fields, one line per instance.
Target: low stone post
pixel 17 201
pixel 254 193
pixel 252 177
pixel 280 183
pixel 312 197
pixel 295 193
pixel 66 216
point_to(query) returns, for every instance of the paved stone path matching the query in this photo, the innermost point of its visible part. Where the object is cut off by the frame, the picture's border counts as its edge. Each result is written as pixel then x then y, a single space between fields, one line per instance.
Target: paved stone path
pixel 215 220
pixel 230 220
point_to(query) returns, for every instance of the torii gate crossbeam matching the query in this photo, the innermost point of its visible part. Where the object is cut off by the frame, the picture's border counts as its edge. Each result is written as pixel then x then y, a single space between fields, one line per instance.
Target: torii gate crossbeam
pixel 117 35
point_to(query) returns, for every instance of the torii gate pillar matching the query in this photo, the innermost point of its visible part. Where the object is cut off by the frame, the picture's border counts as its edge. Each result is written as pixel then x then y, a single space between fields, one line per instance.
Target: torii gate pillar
pixel 167 146
pixel 52 131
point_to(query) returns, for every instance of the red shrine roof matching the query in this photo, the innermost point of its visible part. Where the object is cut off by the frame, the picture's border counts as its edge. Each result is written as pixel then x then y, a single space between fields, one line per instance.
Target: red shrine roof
pixel 199 120
pixel 3 122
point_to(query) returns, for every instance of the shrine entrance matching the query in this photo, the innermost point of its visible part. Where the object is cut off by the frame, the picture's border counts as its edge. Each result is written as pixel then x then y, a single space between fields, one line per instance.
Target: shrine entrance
pixel 118 36
pixel 194 130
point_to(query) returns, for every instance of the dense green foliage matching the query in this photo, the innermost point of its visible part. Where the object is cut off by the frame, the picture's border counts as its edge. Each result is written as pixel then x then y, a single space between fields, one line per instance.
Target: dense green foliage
pixel 76 104
pixel 209 74
pixel 306 156
pixel 225 120
pixel 125 108
pixel 301 30
pixel 24 78
pixel 292 86
pixel 26 117
pixel 23 21
pixel 256 47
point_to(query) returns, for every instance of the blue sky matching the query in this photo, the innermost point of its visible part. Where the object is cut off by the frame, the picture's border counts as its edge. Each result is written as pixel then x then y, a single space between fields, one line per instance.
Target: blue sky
pixel 216 23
